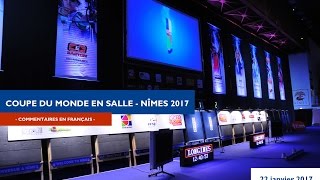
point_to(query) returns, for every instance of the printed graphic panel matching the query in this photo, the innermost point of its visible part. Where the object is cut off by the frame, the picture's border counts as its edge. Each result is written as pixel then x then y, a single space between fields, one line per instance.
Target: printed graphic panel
pixel 239 68
pixel 217 61
pixel 76 49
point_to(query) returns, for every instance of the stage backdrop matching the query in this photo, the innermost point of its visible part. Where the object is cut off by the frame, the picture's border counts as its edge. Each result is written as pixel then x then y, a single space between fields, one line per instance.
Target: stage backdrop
pixel 1 28
pixel 217 61
pixel 270 76
pixel 76 49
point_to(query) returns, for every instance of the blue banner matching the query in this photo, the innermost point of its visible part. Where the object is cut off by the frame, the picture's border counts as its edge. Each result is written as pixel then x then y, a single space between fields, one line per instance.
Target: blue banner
pixel 70 162
pixel 20 168
pixel 114 101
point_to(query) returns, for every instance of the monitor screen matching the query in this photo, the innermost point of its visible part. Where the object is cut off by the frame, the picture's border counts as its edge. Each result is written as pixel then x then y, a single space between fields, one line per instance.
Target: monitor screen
pixel 239 68
pixel 159 34
pixel 270 76
pixel 1 28
pixel 76 48
pixel 194 127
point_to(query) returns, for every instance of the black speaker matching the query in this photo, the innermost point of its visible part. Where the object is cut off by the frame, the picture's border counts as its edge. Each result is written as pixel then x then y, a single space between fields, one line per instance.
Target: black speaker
pixel 161 148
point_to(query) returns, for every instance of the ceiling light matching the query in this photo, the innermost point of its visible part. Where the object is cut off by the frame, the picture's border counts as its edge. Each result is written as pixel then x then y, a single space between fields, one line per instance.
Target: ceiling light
pixel 301 38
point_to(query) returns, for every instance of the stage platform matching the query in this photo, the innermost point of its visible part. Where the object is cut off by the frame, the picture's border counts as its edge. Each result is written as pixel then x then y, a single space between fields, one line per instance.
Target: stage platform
pixel 234 163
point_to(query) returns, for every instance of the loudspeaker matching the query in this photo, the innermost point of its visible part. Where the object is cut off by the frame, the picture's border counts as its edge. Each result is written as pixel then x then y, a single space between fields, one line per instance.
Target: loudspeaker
pixel 161 148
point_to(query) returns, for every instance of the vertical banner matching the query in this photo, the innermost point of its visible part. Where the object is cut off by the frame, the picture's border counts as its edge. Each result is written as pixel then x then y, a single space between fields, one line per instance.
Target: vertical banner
pixel 76 49
pixel 1 28
pixel 255 73
pixel 270 77
pixel 239 68
pixel 281 82
pixel 217 61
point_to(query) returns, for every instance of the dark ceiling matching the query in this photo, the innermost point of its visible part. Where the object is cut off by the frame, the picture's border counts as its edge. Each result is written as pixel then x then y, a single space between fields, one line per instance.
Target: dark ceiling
pixel 284 24
pixel 307 14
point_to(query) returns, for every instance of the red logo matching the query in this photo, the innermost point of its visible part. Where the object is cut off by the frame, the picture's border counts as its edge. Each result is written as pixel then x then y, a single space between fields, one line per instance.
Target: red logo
pixel 251 116
pixel 77 49
pixel 175 120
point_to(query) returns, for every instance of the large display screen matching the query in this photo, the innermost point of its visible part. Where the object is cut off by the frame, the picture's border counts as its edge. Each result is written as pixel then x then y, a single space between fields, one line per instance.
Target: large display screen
pixel 256 78
pixel 1 28
pixel 281 82
pixel 270 76
pixel 194 126
pixel 239 68
pixel 76 49
pixel 217 61
pixel 159 34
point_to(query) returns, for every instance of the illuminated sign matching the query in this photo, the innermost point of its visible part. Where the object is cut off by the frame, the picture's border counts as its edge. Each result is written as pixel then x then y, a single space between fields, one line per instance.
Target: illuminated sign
pixel 257 140
pixel 196 154
pixel 76 45
pixel 239 68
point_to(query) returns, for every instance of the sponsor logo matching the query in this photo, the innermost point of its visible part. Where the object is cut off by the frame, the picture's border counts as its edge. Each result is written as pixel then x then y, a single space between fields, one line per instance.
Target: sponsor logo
pixel 195 151
pixel 222 117
pixel 59 129
pixel 131 74
pixel 199 84
pixel 77 50
pixel 149 87
pixel 299 96
pixel 194 124
pixel 175 120
pixel 32 131
pixel 126 121
pixel 158 78
pixel 190 82
pixel 259 137
pixel 210 123
pixel 169 79
pixel 152 122
pixel 144 76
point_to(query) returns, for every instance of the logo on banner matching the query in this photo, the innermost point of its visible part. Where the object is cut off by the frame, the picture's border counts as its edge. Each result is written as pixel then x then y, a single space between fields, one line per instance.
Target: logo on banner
pixel 126 121
pixel 194 124
pixel 299 96
pixel 223 118
pixel 59 129
pixel 77 50
pixel 32 131
pixel 152 122
pixel 210 123
pixel 175 120
pixel 194 151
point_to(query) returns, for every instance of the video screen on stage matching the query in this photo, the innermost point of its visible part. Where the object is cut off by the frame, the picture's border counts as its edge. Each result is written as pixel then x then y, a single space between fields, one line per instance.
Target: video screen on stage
pixel 194 126
pixel 210 124
pixel 76 48
pixel 239 68
pixel 256 78
pixel 159 34
pixel 270 76
pixel 281 82
pixel 217 61
pixel 1 28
